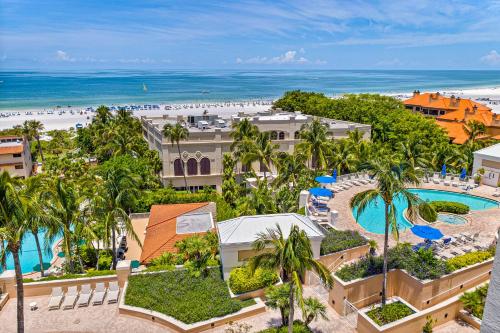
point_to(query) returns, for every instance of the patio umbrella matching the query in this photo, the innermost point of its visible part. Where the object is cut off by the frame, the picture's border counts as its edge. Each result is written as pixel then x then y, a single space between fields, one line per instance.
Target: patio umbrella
pixel 443 170
pixel 325 179
pixel 135 264
pixel 321 192
pixel 334 175
pixel 426 232
pixel 463 174
pixel 36 268
pixel 61 254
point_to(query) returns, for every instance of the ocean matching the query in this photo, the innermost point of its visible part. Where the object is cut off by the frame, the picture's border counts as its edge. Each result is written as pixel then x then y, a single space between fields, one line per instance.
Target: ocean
pixel 38 90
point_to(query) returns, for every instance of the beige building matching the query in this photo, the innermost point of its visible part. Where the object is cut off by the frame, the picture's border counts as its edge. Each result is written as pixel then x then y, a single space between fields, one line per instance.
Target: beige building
pixel 488 159
pixel 209 138
pixel 15 156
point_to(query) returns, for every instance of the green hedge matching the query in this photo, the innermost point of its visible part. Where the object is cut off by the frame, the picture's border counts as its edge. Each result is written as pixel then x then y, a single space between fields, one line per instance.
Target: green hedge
pixel 298 327
pixel 182 295
pixel 390 313
pixel 241 279
pixel 474 301
pixel 428 213
pixel 449 207
pixel 72 276
pixel 339 240
pixel 468 259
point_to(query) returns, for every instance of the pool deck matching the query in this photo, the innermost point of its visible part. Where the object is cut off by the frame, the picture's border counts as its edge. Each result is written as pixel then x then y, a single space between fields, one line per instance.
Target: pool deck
pixel 486 222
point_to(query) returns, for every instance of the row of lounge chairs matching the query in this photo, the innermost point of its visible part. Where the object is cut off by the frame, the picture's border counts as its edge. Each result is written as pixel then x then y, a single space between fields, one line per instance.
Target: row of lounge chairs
pixel 451 246
pixel 83 297
pixel 345 182
pixel 453 180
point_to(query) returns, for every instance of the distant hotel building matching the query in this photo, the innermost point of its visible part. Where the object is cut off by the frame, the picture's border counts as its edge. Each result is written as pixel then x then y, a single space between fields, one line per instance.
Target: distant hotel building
pixel 209 139
pixel 15 156
pixel 452 113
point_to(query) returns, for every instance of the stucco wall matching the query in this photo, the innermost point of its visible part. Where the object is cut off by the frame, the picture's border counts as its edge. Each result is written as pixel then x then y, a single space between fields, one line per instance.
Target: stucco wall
pixel 491 317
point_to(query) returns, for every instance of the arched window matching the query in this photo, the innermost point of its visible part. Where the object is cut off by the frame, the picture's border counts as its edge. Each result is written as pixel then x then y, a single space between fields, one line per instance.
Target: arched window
pixel 296 135
pixel 205 166
pixel 281 136
pixel 192 167
pixel 274 135
pixel 178 167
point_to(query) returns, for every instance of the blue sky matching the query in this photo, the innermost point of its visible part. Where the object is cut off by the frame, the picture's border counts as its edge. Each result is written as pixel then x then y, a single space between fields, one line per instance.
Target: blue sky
pixel 143 34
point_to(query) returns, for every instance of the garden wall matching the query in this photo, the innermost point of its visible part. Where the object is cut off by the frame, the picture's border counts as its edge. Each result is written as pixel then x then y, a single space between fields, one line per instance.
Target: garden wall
pixel 420 294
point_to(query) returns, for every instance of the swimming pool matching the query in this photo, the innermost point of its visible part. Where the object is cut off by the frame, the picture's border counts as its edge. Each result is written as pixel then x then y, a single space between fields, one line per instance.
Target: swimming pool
pixel 372 219
pixel 451 219
pixel 29 254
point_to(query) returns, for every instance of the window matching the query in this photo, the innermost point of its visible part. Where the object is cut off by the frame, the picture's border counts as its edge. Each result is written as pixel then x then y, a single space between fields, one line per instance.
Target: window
pixel 16 155
pixel 205 166
pixel 274 135
pixel 263 167
pixel 178 167
pixel 19 167
pixel 192 167
pixel 245 167
pixel 281 136
pixel 296 135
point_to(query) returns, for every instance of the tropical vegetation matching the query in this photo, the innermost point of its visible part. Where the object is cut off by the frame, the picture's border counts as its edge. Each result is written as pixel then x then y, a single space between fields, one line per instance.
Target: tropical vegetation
pixel 339 240
pixel 389 313
pixel 242 279
pixel 474 301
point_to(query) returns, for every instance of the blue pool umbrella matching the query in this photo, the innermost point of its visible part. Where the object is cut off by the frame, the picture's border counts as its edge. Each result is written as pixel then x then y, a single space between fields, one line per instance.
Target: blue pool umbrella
pixel 426 232
pixel 325 179
pixel 321 192
pixel 334 175
pixel 443 170
pixel 463 174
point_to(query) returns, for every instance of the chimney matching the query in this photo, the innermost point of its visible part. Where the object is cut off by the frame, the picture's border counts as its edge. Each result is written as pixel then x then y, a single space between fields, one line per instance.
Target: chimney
pixel 453 101
pixel 416 93
pixel 474 109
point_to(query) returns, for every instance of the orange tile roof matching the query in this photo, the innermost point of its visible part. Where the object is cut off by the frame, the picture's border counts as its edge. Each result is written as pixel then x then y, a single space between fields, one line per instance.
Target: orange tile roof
pixel 161 231
pixel 11 149
pixel 455 131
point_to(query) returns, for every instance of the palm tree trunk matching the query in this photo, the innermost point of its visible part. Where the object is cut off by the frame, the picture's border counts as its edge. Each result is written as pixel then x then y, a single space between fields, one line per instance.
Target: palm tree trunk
pixel 292 310
pixel 40 149
pixel 39 250
pixel 182 166
pixel 113 246
pixel 97 256
pixel 67 245
pixel 386 248
pixel 3 262
pixel 19 291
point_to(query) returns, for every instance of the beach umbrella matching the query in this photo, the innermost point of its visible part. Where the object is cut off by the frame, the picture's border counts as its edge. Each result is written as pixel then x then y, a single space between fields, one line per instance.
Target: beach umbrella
pixel 321 192
pixel 61 254
pixel 325 179
pixel 443 170
pixel 426 232
pixel 463 174
pixel 36 268
pixel 135 264
pixel 334 175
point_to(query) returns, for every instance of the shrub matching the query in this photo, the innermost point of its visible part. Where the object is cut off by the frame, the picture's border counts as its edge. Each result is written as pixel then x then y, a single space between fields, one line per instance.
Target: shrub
pixel 468 259
pixel 449 207
pixel 90 273
pixel 105 261
pixel 389 313
pixel 241 279
pixel 181 295
pixel 339 240
pixel 428 213
pixel 298 327
pixel 474 301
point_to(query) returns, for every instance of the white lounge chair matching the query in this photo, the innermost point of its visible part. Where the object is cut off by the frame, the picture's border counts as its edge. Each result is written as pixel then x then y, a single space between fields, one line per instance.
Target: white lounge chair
pixel 113 292
pixel 472 183
pixel 99 294
pixel 56 298
pixel 70 299
pixel 361 179
pixel 85 295
pixel 447 180
pixel 455 182
pixel 436 179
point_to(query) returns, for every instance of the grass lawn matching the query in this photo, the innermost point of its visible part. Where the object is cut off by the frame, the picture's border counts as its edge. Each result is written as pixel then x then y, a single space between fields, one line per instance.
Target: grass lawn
pixel 180 295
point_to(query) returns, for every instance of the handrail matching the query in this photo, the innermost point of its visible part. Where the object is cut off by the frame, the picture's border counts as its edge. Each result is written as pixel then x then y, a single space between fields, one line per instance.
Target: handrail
pixel 335 261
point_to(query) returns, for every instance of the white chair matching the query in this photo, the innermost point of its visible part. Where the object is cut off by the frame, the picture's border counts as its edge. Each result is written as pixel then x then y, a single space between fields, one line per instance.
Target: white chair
pixel 435 179
pixel 85 295
pixel 447 180
pixel 70 299
pixel 99 294
pixel 113 292
pixel 56 298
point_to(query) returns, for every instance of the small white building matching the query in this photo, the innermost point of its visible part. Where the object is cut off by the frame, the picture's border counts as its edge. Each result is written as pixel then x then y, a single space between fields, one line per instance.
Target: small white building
pixel 236 236
pixel 488 159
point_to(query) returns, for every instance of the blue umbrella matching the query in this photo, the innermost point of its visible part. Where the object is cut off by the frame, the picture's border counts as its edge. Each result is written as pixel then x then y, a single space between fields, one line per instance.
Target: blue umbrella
pixel 463 174
pixel 443 170
pixel 334 175
pixel 321 192
pixel 325 179
pixel 426 232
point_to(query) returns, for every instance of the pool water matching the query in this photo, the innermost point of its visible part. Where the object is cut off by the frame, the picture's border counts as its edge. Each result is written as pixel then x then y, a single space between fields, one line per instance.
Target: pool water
pixel 29 254
pixel 373 220
pixel 451 219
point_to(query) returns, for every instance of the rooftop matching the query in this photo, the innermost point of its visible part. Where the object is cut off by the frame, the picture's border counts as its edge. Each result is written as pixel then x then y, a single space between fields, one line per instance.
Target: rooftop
pixel 245 229
pixel 11 145
pixel 492 151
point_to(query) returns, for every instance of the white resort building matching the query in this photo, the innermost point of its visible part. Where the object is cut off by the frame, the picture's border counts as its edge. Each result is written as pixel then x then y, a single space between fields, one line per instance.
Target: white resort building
pixel 488 159
pixel 209 138
pixel 15 156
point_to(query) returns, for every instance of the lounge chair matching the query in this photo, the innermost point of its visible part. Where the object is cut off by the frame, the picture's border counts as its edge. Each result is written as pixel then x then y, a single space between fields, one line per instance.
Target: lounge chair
pixel 455 182
pixel 457 251
pixel 472 183
pixel 447 180
pixel 85 294
pixel 70 299
pixel 360 178
pixel 113 292
pixel 436 179
pixel 353 179
pixel 56 298
pixel 445 255
pixel 99 294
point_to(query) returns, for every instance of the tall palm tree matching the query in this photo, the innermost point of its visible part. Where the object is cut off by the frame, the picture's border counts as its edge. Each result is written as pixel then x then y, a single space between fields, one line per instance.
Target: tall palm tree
pixel 262 150
pixel 292 255
pixel 474 129
pixel 243 130
pixel 103 115
pixel 392 178
pixel 13 209
pixel 33 129
pixel 342 157
pixel 176 133
pixel 290 167
pixel 314 142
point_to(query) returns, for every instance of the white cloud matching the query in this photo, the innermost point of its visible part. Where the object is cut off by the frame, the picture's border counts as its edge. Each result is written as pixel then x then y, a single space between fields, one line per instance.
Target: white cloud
pixel 289 57
pixel 63 56
pixel 491 58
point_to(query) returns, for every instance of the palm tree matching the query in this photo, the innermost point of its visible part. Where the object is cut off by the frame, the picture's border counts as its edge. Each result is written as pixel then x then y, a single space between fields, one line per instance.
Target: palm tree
pixel 277 299
pixel 315 143
pixel 14 208
pixel 313 309
pixel 33 129
pixel 103 115
pixel 175 134
pixel 392 178
pixel 243 130
pixel 290 167
pixel 292 256
pixel 342 157
pixel 474 129
pixel 262 150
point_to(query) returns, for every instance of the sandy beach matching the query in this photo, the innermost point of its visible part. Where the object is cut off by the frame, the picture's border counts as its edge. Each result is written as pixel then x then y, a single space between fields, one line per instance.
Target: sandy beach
pixel 67 117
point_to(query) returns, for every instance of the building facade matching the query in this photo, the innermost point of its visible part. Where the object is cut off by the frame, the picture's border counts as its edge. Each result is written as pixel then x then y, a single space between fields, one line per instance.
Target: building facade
pixel 488 159
pixel 209 138
pixel 15 156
